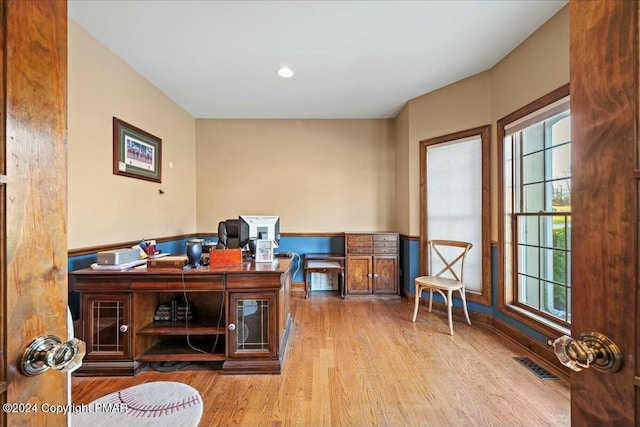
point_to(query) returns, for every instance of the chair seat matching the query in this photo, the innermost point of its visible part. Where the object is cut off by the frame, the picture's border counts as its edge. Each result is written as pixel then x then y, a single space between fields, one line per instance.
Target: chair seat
pixel 438 282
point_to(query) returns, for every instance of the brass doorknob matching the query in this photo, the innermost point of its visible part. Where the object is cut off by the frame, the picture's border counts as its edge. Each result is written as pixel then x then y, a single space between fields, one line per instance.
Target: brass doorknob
pixel 47 351
pixel 590 350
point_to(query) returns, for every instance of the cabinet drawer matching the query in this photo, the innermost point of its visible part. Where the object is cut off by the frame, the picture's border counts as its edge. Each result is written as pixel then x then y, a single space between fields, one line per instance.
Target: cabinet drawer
pixel 385 250
pixel 177 286
pixel 385 237
pixel 359 244
pixel 385 244
pixel 357 238
pixel 366 250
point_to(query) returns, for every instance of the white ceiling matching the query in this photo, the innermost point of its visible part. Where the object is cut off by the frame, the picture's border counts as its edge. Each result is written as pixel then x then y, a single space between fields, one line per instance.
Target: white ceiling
pixel 352 59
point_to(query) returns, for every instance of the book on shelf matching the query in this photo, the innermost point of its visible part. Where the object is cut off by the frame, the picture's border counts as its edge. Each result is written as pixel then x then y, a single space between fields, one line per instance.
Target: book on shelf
pixel 175 310
pixel 170 261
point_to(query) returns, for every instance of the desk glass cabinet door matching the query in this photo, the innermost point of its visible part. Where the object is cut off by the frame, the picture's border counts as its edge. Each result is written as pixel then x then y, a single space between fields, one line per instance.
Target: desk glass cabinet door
pixel 252 324
pixel 106 326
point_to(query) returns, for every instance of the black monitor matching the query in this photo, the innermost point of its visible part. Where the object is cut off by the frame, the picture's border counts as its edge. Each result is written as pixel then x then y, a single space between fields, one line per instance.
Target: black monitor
pixel 254 227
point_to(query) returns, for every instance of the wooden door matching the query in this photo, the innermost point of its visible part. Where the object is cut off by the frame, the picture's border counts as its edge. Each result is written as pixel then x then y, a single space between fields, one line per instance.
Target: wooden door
pixel 33 162
pixel 254 316
pixel 385 274
pixel 103 318
pixel 359 274
pixel 604 116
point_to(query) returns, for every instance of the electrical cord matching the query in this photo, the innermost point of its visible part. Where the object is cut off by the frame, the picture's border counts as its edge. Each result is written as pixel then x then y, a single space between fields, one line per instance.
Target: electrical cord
pixel 220 316
pixel 296 256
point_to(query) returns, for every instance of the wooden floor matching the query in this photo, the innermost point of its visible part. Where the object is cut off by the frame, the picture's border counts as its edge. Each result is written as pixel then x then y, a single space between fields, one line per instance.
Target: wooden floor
pixel 355 363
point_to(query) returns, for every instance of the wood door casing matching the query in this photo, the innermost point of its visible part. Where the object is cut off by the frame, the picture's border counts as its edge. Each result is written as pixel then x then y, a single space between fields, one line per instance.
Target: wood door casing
pixel 3 231
pixel 604 126
pixel 35 197
pixel 358 269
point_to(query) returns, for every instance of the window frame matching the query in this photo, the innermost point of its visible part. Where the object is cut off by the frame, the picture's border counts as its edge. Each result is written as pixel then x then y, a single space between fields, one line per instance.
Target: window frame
pixel 507 302
pixel 483 297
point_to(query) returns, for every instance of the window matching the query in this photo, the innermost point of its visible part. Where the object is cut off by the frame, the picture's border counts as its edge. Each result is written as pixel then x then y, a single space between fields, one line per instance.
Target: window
pixel 455 202
pixel 535 158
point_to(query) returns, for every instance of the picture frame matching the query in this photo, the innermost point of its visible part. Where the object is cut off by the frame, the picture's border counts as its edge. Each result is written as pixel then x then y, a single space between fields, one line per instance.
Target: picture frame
pixel 264 250
pixel 136 153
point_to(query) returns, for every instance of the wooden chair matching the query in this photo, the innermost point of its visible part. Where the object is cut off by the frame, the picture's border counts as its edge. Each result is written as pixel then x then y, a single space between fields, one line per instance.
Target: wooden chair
pixel 452 254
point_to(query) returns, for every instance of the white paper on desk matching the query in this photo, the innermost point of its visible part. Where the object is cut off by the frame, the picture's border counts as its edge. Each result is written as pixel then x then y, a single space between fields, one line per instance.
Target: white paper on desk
pixel 118 267
pixel 323 264
pixel 159 255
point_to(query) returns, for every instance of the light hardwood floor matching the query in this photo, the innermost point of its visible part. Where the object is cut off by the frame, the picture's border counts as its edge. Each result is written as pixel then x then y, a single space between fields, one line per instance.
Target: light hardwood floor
pixel 361 362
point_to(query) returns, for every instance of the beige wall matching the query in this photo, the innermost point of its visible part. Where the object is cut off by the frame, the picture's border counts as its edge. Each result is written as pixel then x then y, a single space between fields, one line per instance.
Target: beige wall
pixel 403 160
pixel 318 175
pixel 536 67
pixel 460 106
pixel 103 207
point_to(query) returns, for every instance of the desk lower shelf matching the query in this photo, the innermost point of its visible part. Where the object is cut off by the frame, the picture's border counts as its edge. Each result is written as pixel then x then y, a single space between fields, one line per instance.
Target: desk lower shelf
pixel 180 328
pixel 176 342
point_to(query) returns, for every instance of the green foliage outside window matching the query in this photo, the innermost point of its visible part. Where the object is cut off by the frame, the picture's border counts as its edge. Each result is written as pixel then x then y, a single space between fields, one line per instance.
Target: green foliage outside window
pixel 559 269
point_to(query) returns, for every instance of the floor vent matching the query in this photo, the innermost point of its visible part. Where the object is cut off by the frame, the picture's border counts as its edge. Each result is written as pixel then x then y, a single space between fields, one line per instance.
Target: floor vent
pixel 536 369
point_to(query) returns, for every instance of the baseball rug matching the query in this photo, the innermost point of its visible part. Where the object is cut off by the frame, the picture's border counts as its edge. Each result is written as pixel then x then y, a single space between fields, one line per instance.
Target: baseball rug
pixel 158 403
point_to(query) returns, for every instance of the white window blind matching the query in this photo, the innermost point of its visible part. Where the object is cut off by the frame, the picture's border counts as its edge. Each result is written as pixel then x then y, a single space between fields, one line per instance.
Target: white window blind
pixel 454 200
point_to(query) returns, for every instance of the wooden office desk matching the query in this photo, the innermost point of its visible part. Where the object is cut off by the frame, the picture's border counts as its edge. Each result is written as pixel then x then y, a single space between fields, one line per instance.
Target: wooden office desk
pixel 324 263
pixel 241 317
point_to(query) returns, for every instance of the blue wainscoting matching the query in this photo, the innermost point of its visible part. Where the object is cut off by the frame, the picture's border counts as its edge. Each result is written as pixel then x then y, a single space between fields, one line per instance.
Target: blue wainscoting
pixel 300 245
pixel 84 261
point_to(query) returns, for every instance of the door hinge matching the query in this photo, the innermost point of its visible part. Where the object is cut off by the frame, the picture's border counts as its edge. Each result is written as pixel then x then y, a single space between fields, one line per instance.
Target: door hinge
pixel 3 179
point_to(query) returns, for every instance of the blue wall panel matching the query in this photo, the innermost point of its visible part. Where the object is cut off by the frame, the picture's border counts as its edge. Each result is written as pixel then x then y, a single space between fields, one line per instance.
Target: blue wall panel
pixel 300 245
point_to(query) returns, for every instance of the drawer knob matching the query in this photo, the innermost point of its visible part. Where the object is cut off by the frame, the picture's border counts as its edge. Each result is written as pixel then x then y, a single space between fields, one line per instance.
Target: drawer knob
pixel 124 328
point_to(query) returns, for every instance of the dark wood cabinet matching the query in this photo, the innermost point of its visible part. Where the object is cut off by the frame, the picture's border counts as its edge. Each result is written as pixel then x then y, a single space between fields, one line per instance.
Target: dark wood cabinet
pixel 252 324
pixel 372 263
pixel 238 317
pixel 105 326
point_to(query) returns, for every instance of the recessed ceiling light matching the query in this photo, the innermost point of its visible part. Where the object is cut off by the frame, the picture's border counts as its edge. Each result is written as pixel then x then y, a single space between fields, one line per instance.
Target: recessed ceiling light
pixel 285 72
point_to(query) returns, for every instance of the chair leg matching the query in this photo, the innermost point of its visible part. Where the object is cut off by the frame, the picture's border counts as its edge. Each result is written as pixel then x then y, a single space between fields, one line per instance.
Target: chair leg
pixel 449 304
pixel 464 305
pixel 417 303
pixel 430 299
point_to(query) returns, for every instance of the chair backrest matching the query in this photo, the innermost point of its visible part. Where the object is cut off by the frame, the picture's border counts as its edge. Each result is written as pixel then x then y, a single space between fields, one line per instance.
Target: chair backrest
pixel 447 257
pixel 228 234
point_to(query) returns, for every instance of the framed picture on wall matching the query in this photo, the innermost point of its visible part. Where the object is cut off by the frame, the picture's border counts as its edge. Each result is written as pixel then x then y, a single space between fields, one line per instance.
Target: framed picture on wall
pixel 264 250
pixel 136 153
